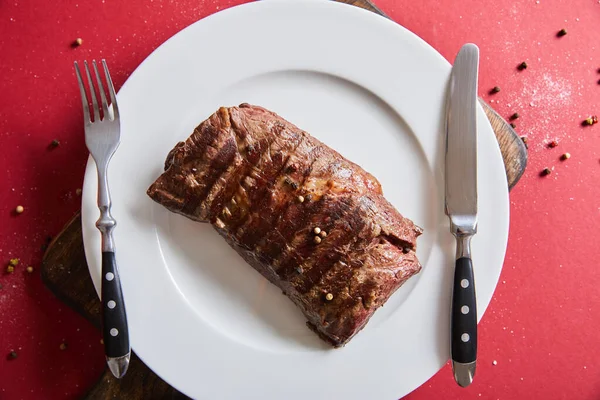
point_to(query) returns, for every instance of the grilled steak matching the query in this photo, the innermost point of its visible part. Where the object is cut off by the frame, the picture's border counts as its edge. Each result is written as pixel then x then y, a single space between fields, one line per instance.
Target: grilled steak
pixel 310 221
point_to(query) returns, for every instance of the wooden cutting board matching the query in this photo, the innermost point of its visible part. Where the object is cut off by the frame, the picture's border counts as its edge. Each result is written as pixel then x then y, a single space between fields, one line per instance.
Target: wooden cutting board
pixel 65 272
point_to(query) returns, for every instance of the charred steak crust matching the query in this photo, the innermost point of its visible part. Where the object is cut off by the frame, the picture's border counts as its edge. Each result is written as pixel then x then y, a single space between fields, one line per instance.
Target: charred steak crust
pixel 265 185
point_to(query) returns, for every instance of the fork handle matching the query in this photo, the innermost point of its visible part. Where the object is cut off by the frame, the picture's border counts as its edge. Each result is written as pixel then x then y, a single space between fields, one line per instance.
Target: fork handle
pixel 114 316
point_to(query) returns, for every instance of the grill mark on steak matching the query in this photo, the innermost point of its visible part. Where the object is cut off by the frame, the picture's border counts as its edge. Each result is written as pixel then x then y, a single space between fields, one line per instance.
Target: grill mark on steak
pixel 319 258
pixel 204 142
pixel 349 224
pixel 269 174
pixel 248 158
pixel 218 166
pixel 316 193
pixel 299 237
pixel 254 156
pixel 279 193
pixel 214 203
pixel 237 191
pixel 284 195
pixel 292 216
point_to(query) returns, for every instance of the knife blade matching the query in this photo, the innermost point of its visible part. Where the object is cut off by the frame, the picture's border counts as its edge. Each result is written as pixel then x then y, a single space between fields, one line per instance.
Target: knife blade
pixel 461 207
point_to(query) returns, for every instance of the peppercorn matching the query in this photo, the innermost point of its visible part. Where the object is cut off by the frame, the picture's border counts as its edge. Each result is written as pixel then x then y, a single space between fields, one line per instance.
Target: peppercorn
pixel 10 269
pixel 588 121
pixel 78 192
pixel 561 33
pixel 78 42
pixel 565 156
pixel 512 125
pixel 14 262
pixel 63 346
pixel 19 209
pixel 54 144
pixel 546 171
pixel 300 199
pixel 317 239
pixel 515 116
pixel 12 355
pixel 522 66
pixel 29 269
pixel 317 230
pixel 495 89
pixel 553 144
pixel 323 234
pixel 329 297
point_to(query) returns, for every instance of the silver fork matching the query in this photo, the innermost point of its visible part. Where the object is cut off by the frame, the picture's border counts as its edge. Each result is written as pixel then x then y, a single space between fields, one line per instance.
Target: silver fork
pixel 102 137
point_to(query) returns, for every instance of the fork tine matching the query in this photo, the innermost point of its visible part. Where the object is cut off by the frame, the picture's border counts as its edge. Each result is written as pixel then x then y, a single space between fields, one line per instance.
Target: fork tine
pixel 84 100
pixel 93 93
pixel 111 91
pixel 101 88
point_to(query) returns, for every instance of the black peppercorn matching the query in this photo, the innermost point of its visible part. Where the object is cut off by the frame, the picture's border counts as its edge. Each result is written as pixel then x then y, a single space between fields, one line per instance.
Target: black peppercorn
pixel 546 171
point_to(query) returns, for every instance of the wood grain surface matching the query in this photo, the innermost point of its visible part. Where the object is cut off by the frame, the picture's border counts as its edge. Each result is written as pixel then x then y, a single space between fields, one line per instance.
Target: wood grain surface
pixel 514 152
pixel 65 272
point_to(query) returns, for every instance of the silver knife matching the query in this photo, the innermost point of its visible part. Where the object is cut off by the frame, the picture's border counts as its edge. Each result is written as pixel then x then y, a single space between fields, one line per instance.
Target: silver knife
pixel 461 207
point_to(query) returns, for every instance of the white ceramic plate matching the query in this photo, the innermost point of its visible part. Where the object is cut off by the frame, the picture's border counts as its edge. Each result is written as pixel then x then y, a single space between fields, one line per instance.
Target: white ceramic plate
pixel 199 316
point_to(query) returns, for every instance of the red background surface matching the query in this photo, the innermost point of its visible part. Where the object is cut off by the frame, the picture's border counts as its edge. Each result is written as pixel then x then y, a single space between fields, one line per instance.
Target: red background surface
pixel 541 327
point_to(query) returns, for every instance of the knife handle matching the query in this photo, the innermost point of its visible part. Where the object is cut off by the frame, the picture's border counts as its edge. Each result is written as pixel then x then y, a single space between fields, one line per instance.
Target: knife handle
pixel 464 313
pixel 114 317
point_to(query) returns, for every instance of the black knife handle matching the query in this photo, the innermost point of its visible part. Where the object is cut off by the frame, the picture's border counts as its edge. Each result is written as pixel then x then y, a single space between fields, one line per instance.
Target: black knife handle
pixel 464 313
pixel 114 318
